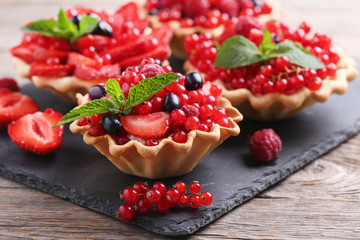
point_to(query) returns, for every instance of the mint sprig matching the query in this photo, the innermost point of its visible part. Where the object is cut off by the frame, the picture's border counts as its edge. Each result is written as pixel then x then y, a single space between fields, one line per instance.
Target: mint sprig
pixel 239 51
pixel 117 104
pixel 63 27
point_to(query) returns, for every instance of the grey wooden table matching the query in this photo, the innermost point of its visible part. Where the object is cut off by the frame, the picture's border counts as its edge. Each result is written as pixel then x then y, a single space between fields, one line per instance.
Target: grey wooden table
pixel 320 201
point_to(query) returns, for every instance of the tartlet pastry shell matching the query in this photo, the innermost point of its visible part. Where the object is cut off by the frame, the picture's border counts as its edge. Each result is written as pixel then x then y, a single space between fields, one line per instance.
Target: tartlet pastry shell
pixel 177 42
pixel 277 106
pixel 168 159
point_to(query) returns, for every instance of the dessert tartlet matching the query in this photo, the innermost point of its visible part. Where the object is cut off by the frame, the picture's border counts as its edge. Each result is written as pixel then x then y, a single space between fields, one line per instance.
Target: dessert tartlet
pixel 292 70
pixel 204 16
pixel 84 47
pixel 167 134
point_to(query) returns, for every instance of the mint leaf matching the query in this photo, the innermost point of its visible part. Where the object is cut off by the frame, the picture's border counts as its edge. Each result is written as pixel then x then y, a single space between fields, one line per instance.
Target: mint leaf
pixel 266 45
pixel 296 55
pixel 63 27
pixel 91 108
pixel 87 24
pixel 238 51
pixel 147 88
pixel 115 93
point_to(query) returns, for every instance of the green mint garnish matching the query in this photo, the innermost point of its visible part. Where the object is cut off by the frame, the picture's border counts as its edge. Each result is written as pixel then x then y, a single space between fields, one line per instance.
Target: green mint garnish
pixel 239 51
pixel 117 105
pixel 63 27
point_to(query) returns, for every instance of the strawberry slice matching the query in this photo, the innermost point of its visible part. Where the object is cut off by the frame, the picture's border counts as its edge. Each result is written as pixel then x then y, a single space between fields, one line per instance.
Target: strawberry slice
pixel 154 125
pixel 45 70
pixel 97 41
pixel 33 53
pixel 110 71
pixel 77 59
pixel 9 83
pixel 163 34
pixel 161 53
pixel 34 132
pixel 129 11
pixel 86 73
pixel 14 105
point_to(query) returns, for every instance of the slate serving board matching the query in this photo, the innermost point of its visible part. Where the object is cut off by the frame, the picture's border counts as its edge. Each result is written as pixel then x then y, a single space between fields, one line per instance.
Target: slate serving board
pixel 77 172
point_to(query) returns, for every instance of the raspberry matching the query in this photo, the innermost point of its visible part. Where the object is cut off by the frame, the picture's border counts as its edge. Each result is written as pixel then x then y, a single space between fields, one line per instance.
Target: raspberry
pixel 195 8
pixel 230 7
pixel 265 145
pixel 151 70
pixel 245 24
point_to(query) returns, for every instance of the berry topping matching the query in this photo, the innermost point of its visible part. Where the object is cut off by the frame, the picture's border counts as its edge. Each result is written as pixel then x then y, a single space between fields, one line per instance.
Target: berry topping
pixel 193 81
pixel 305 60
pixel 152 70
pixel 111 124
pixel 245 24
pixel 14 105
pixel 195 8
pixel 10 84
pixel 171 102
pixel 97 92
pixel 154 125
pixel 34 132
pixel 230 7
pixel 265 145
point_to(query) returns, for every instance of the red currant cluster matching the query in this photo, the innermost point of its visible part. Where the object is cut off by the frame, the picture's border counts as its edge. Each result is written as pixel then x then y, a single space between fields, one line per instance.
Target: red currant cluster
pixel 276 75
pixel 205 13
pixel 141 198
pixel 187 104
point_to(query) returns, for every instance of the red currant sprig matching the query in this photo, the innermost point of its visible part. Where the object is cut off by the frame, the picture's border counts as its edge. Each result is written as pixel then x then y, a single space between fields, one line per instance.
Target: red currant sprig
pixel 140 198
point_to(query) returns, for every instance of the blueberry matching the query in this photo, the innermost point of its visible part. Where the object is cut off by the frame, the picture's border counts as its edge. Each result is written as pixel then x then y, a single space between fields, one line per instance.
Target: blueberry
pixel 275 38
pixel 76 19
pixel 193 81
pixel 171 102
pixel 97 92
pixel 111 124
pixel 103 28
pixel 153 12
pixel 257 3
pixel 158 62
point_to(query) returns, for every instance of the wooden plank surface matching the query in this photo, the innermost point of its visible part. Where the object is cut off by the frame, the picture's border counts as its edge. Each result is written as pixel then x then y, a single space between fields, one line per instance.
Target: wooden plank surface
pixel 319 201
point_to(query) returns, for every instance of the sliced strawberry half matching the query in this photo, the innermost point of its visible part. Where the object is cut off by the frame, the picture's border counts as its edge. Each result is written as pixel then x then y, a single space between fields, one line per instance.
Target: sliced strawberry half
pixel 110 71
pixel 129 11
pixel 97 41
pixel 77 59
pixel 34 132
pixel 45 70
pixel 86 73
pixel 154 125
pixel 163 34
pixel 160 53
pixel 33 53
pixel 14 105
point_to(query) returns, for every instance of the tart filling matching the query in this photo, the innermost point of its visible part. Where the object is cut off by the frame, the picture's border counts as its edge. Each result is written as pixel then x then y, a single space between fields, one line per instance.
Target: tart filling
pixel 212 20
pixel 277 88
pixel 96 45
pixel 166 135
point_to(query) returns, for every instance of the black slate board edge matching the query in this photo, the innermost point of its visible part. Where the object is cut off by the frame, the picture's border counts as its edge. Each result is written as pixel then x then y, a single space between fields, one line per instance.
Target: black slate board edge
pixel 103 206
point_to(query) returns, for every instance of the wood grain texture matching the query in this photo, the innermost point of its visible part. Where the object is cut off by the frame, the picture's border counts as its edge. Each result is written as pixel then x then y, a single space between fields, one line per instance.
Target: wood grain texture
pixel 320 201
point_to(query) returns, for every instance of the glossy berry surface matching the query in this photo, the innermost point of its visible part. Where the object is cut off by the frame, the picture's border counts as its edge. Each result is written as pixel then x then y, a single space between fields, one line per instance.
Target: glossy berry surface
pixel 195 187
pixel 275 75
pixel 103 28
pixel 97 92
pixel 126 213
pixel 171 102
pixel 265 145
pixel 111 124
pixel 193 81
pixel 205 13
